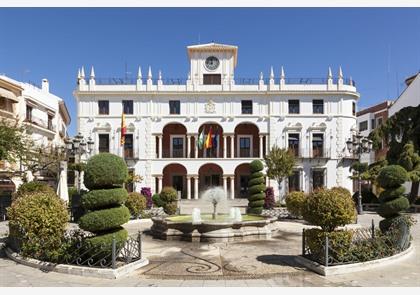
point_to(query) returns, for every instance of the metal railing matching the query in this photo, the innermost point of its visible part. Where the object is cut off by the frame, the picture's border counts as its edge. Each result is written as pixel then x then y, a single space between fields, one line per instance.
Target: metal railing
pixel 40 122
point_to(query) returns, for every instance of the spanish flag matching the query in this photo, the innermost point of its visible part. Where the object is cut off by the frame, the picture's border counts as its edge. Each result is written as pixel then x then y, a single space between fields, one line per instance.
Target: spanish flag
pixel 209 142
pixel 123 129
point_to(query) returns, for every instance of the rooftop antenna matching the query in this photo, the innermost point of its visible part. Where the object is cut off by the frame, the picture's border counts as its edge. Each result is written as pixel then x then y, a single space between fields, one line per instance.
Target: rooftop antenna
pixel 126 71
pixel 398 84
pixel 388 70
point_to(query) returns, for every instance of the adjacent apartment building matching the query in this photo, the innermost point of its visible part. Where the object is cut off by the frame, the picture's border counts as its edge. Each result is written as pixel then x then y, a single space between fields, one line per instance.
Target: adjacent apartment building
pixel 204 130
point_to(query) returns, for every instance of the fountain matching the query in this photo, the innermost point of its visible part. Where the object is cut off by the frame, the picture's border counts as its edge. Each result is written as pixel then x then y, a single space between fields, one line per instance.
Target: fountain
pixel 214 227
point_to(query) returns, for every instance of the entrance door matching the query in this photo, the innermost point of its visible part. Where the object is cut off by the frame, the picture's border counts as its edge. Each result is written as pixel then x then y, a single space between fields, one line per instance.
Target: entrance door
pixel 211 180
pixel 178 183
pixel 243 186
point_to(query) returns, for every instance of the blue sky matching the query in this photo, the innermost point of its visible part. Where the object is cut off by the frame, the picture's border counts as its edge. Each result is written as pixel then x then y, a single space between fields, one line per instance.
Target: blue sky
pixel 379 48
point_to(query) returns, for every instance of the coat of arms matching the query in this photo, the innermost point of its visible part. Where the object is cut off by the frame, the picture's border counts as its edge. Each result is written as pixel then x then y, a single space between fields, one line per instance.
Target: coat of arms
pixel 210 106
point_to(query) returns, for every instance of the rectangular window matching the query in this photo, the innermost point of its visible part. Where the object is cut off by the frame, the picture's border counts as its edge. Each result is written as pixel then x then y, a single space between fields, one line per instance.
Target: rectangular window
pixel 318 106
pixel 363 126
pixel 212 79
pixel 294 106
pixel 294 143
pixel 317 145
pixel 50 125
pixel 104 143
pixel 244 147
pixel 294 181
pixel 177 147
pixel 379 121
pixel 129 146
pixel 174 107
pixel 130 185
pixel 127 107
pixel 6 104
pixel 317 179
pixel 354 109
pixel 246 106
pixel 372 123
pixel 103 106
pixel 28 113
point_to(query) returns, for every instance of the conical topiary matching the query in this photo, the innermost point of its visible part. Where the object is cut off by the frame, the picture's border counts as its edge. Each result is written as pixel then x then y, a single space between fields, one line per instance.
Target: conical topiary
pixel 257 188
pixel 104 177
pixel 391 200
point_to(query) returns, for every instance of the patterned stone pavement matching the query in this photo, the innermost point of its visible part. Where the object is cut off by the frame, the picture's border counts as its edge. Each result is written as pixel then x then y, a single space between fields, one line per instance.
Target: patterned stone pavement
pixel 252 263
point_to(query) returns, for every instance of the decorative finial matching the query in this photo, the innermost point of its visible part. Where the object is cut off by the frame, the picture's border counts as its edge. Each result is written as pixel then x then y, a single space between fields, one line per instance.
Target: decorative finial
pixel 351 81
pixel 160 75
pixel 139 75
pixel 271 73
pixel 82 73
pixel 92 73
pixel 329 73
pixel 261 75
pixel 189 75
pixel 78 73
pixel 340 73
pixel 149 75
pixel 282 73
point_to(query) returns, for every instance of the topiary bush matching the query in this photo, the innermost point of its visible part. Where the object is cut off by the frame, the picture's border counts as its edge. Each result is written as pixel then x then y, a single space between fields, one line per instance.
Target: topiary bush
pixel 328 209
pixel 295 202
pixel 136 204
pixel 105 170
pixel 32 186
pixel 341 190
pixel 105 174
pixel 147 193
pixel 37 223
pixel 392 201
pixel 157 201
pixel 256 188
pixel 169 198
pixel 269 201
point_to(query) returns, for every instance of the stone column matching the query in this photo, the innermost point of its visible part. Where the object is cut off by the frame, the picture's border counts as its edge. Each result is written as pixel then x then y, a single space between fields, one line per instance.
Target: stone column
pixel 224 146
pixel 261 146
pixel 196 187
pixel 189 187
pixel 225 183
pixel 188 146
pixel 232 146
pixel 232 187
pixel 195 146
pixel 160 146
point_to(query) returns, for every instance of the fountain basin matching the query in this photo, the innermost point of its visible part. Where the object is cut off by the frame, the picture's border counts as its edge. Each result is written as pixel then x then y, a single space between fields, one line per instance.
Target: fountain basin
pixel 222 229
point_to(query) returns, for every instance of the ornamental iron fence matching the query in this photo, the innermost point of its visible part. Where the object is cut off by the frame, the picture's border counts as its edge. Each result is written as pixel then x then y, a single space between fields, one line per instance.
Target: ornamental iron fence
pixel 354 246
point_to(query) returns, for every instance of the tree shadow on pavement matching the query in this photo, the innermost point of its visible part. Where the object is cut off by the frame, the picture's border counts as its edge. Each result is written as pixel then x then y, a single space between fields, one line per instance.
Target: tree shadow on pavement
pixel 283 260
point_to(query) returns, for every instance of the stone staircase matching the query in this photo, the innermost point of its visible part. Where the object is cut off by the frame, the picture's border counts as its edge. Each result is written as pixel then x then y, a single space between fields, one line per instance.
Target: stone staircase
pixel 186 206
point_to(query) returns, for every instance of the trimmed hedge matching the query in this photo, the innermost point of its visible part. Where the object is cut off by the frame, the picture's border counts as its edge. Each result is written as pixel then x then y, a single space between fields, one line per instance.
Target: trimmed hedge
pixel 105 240
pixel 157 201
pixel 295 202
pixel 170 208
pixel 136 204
pixel 391 193
pixel 30 187
pixel 104 198
pixel 395 205
pixel 106 219
pixel 339 240
pixel 105 170
pixel 256 188
pixel 392 176
pixel 168 194
pixel 341 190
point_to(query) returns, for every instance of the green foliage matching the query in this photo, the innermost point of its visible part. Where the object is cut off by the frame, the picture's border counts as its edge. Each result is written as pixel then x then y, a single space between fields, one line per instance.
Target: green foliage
pixel 105 170
pixel 392 176
pixel 328 209
pixel 30 187
pixel 341 190
pixel 157 201
pixel 280 163
pixel 105 219
pixel 295 202
pixel 392 207
pixel 170 208
pixel 359 167
pixel 39 221
pixel 136 204
pixel 14 144
pixel 79 167
pixel 120 235
pixel 168 194
pixel 103 198
pixel 339 240
pixel 391 193
pixel 256 188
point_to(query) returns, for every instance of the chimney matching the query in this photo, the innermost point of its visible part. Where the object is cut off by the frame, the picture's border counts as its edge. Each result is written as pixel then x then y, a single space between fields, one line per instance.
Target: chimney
pixel 45 85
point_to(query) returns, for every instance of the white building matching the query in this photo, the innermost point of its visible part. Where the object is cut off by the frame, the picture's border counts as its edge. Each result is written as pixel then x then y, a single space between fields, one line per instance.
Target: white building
pixel 410 97
pixel 164 118
pixel 45 115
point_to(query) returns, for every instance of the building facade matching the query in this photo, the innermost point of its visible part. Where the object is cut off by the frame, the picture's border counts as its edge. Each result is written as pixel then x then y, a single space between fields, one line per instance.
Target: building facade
pixel 167 120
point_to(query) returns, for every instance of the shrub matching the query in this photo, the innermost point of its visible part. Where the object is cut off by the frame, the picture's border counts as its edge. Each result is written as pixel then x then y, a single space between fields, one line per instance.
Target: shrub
pixel 120 235
pixel 147 193
pixel 341 190
pixel 105 219
pixel 269 201
pixel 104 198
pixel 39 222
pixel 105 170
pixel 157 201
pixel 256 188
pixel 170 208
pixel 136 204
pixel 30 187
pixel 295 202
pixel 392 201
pixel 168 194
pixel 328 209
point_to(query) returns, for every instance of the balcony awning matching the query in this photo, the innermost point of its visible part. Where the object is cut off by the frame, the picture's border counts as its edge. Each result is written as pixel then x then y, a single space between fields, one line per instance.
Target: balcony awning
pixel 8 94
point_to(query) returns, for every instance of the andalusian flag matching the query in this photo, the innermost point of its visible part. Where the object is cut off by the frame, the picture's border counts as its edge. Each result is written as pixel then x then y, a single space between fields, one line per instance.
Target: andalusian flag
pixel 123 129
pixel 209 142
pixel 200 140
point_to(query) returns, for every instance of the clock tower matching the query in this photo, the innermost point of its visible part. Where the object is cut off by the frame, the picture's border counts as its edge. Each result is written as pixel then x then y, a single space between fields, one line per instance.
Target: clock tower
pixel 212 63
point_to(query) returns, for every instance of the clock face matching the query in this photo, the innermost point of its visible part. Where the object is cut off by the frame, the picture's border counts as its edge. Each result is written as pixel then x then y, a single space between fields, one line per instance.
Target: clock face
pixel 212 63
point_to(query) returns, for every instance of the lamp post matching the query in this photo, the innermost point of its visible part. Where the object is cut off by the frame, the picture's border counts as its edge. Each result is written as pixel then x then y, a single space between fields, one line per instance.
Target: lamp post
pixel 358 145
pixel 79 146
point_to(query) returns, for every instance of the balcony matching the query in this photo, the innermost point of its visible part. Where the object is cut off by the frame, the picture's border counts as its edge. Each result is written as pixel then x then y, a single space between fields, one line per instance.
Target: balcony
pixel 316 153
pixel 40 123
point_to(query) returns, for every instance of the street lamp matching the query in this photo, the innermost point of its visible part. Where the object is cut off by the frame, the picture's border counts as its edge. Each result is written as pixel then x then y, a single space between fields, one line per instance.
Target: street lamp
pixel 79 146
pixel 357 146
